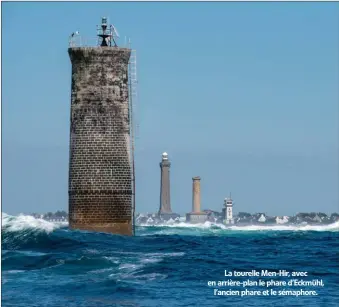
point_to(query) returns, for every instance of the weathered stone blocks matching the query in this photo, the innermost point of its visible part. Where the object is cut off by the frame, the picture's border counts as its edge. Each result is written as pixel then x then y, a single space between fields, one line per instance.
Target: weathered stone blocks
pixel 100 169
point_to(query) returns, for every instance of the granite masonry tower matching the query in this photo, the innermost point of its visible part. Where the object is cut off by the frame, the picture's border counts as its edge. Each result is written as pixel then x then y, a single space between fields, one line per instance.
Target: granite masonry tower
pixel 196 194
pixel 196 216
pixel 165 199
pixel 101 166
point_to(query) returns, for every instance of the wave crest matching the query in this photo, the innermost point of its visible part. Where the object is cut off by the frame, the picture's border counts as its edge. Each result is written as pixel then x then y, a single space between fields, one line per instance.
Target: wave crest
pixel 26 222
pixel 24 231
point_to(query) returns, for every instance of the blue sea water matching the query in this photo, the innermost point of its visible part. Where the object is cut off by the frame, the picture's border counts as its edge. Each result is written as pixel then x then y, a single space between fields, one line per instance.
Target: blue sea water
pixel 46 264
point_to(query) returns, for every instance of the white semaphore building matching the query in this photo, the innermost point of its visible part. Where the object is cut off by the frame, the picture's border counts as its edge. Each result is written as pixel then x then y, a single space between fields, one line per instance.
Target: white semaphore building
pixel 228 211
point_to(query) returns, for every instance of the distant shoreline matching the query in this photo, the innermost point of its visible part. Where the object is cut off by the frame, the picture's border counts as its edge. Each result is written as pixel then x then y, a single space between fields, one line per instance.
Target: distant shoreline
pixel 214 217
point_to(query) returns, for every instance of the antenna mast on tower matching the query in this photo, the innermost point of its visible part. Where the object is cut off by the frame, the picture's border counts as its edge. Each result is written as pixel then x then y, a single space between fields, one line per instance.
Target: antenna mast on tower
pixel 106 34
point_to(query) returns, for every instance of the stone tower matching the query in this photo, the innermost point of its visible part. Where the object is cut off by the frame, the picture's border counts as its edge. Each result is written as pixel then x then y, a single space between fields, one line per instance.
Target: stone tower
pixel 196 194
pixel 165 199
pixel 100 165
pixel 196 216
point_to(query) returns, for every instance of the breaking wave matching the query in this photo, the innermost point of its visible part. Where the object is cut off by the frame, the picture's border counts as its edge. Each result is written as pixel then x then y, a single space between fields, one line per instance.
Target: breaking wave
pixel 26 222
pixel 24 231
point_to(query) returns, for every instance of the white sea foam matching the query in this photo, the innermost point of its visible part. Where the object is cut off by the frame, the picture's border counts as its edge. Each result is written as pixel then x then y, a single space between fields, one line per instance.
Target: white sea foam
pixel 151 260
pixel 151 276
pixel 25 222
pixel 102 270
pixel 165 254
pixel 130 267
pixel 132 273
pixel 157 257
pixel 176 254
pixel 112 259
pixel 134 263
pixel 14 271
pixel 331 227
pixel 137 279
pixel 205 225
pixel 92 251
pixel 174 228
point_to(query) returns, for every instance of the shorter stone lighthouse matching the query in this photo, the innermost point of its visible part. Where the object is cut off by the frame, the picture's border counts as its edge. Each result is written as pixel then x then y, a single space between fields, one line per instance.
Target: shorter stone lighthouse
pixel 196 216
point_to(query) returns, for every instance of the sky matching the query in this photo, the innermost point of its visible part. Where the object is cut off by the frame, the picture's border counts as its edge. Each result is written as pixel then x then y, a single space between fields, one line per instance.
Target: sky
pixel 244 95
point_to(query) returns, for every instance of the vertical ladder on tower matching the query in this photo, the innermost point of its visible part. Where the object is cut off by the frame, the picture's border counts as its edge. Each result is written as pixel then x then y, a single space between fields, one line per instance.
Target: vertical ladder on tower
pixel 134 89
pixel 133 96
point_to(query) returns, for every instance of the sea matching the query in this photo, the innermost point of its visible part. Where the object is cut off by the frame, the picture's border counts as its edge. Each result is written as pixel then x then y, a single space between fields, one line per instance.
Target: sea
pixel 46 264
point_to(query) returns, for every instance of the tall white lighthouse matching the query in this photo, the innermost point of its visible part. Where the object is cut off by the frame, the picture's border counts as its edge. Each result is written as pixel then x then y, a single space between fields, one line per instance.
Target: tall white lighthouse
pixel 228 211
